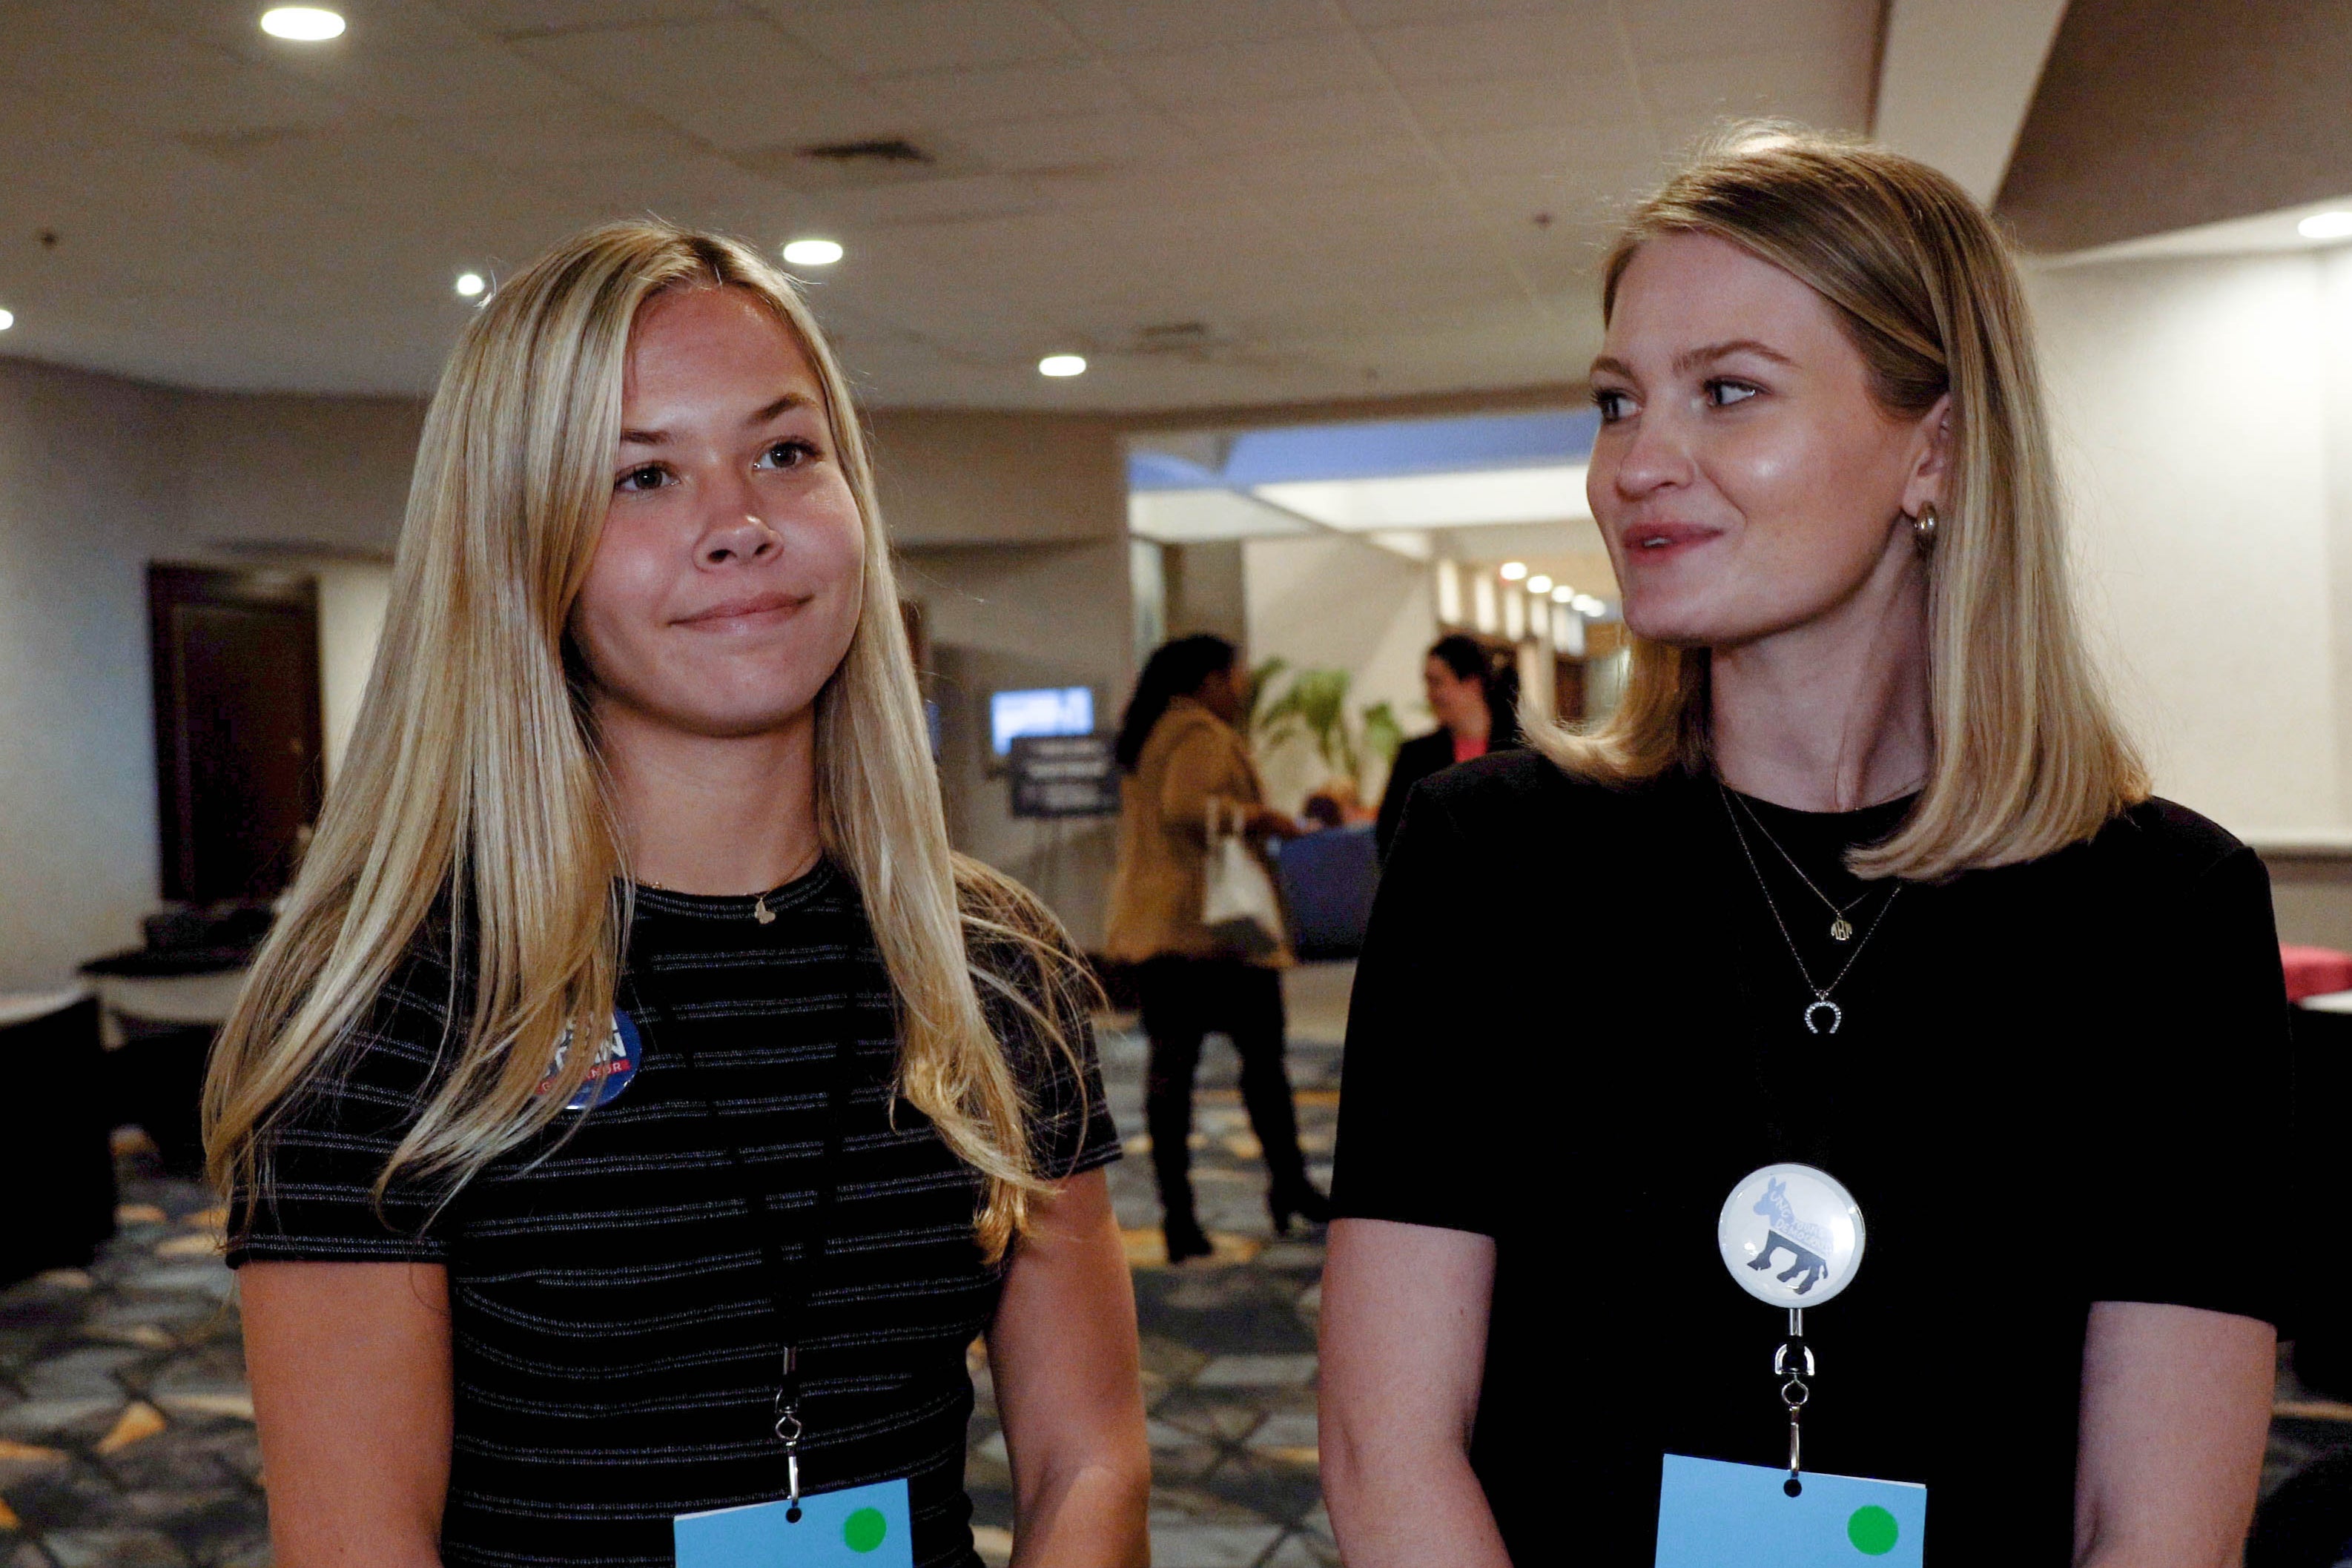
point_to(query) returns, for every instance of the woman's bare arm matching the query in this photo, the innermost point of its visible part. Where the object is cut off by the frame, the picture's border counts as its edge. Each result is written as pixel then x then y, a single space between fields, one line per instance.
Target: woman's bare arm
pixel 1404 1350
pixel 1069 1387
pixel 350 1365
pixel 2176 1405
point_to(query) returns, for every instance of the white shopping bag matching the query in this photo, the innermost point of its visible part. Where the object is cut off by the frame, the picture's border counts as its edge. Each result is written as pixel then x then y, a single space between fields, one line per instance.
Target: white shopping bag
pixel 1238 902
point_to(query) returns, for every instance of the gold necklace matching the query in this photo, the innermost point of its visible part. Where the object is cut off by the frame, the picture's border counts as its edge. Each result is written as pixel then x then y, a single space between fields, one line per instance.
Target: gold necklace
pixel 1820 1003
pixel 1840 928
pixel 760 910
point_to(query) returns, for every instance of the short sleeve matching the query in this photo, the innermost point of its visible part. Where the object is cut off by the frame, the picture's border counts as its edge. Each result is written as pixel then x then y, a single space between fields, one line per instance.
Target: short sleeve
pixel 1416 1142
pixel 1070 1125
pixel 2189 1190
pixel 324 1151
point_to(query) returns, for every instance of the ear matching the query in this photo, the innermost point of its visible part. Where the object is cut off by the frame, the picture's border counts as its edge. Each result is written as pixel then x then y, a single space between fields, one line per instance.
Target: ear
pixel 1931 458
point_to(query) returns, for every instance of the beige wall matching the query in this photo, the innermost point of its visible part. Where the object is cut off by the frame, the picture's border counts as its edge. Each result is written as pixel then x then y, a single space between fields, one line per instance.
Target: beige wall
pixel 91 477
pixel 2201 423
pixel 321 474
pixel 1011 533
pixel 951 477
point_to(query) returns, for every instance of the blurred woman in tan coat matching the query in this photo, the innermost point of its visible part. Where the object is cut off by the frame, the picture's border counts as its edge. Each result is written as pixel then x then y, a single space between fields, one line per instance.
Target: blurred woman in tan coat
pixel 1188 767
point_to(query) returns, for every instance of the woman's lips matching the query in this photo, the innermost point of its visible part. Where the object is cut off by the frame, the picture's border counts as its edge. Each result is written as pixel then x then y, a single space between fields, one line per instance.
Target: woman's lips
pixel 1655 540
pixel 735 611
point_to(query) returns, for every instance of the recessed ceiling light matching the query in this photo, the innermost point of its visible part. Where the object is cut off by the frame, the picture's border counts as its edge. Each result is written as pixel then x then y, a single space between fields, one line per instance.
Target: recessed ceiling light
pixel 7 320
pixel 1563 594
pixel 302 23
pixel 812 253
pixel 1587 605
pixel 2326 225
pixel 1539 583
pixel 1514 569
pixel 470 284
pixel 1062 365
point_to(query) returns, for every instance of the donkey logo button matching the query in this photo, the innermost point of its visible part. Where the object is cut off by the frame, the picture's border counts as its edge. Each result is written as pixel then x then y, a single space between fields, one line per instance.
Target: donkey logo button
pixel 1790 1235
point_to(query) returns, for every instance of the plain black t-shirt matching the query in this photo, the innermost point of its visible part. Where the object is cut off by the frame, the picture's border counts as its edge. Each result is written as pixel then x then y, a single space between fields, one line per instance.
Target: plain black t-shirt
pixel 2056 1083
pixel 612 1314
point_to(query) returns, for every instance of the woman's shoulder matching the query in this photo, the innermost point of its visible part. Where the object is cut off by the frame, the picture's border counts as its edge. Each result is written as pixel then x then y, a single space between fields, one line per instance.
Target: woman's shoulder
pixel 1426 750
pixel 1503 793
pixel 2163 841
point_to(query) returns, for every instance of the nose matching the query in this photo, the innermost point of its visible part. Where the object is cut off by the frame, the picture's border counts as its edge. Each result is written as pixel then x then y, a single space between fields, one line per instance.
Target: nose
pixel 734 529
pixel 1656 455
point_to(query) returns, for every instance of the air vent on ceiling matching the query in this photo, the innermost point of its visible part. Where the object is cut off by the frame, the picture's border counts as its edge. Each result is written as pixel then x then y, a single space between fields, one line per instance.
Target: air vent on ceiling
pixel 865 163
pixel 888 151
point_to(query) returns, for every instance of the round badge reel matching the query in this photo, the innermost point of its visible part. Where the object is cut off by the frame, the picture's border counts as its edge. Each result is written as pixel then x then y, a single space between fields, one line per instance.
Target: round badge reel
pixel 1791 1236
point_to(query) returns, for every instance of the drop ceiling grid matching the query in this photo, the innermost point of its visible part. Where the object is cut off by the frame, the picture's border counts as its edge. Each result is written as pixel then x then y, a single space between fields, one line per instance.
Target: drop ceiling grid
pixel 1328 186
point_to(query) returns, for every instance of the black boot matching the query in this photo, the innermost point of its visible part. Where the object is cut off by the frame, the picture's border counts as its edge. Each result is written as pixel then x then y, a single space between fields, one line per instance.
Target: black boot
pixel 1297 1198
pixel 1185 1238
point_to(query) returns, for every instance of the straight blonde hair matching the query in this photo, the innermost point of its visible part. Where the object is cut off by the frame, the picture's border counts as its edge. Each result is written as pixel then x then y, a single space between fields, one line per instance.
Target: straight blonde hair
pixel 473 781
pixel 2027 755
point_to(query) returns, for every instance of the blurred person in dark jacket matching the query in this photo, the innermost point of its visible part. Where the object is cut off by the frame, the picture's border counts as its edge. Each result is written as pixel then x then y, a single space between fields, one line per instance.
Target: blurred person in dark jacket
pixel 1474 690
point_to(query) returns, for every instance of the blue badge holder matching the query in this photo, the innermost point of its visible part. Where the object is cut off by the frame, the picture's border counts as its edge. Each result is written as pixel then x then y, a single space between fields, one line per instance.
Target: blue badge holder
pixel 857 1527
pixel 1712 1514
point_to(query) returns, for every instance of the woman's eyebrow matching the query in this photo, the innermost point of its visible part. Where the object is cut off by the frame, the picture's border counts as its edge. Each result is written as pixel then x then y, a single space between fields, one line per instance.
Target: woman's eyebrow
pixel 784 404
pixel 761 415
pixel 1707 354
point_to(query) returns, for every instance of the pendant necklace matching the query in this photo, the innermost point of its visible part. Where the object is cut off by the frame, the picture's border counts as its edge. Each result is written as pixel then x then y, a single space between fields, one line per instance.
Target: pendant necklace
pixel 760 910
pixel 1821 1007
pixel 1840 928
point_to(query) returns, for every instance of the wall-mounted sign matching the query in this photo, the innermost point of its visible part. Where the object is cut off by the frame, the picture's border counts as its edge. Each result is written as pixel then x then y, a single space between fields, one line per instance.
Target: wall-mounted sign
pixel 1064 776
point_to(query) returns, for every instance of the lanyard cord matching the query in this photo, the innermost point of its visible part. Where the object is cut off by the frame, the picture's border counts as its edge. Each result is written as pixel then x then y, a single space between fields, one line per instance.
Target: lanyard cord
pixel 789 1290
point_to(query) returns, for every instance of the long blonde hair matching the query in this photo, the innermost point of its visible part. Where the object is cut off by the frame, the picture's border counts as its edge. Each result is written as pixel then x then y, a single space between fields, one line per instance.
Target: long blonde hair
pixel 2027 754
pixel 472 779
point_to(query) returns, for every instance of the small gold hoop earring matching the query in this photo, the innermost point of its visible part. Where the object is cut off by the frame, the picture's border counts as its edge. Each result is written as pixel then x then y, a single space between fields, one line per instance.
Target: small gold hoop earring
pixel 1923 527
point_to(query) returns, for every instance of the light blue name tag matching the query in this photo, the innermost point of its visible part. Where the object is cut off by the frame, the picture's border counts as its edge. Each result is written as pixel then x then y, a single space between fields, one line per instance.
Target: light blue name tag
pixel 1716 1515
pixel 859 1526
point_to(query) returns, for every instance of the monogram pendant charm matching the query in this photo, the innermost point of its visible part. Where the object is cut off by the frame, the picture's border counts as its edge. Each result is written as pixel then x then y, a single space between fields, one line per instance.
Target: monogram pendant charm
pixel 762 913
pixel 1836 1017
pixel 1841 929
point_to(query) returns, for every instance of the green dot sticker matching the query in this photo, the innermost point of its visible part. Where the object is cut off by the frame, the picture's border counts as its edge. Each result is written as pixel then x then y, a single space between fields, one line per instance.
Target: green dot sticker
pixel 1871 1529
pixel 864 1531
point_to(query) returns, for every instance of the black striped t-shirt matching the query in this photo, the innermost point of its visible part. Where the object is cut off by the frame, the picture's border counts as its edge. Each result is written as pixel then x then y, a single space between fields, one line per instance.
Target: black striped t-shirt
pixel 614 1337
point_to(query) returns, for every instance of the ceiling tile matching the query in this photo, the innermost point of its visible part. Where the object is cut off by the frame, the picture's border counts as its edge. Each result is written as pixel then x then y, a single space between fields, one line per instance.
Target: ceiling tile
pixel 1285 67
pixel 1334 119
pixel 476 78
pixel 1122 26
pixel 89 55
pixel 951 200
pixel 1563 150
pixel 1816 88
pixel 937 35
pixel 1561 41
pixel 1674 29
pixel 519 18
pixel 1031 92
pixel 1076 142
pixel 739 85
pixel 1451 107
pixel 1386 13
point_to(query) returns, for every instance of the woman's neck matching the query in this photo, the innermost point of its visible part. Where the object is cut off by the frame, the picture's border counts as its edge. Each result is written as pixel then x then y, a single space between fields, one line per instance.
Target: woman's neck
pixel 1474 725
pixel 720 815
pixel 1831 716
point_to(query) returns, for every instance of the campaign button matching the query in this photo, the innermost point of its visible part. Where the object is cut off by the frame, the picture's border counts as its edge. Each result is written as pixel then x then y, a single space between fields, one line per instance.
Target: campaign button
pixel 1790 1235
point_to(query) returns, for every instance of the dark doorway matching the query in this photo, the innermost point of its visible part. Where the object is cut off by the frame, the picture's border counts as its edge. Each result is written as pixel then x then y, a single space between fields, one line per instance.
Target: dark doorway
pixel 239 761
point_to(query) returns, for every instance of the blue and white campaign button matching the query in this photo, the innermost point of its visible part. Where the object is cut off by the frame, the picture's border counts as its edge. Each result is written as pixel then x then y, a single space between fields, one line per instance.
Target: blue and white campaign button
pixel 1791 1236
pixel 616 1065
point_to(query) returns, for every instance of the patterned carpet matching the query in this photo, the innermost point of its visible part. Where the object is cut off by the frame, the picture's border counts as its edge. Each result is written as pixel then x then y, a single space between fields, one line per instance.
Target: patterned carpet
pixel 126 1434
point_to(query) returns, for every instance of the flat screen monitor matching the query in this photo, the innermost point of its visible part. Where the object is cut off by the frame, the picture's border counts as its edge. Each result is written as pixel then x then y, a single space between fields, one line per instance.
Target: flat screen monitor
pixel 1042 710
